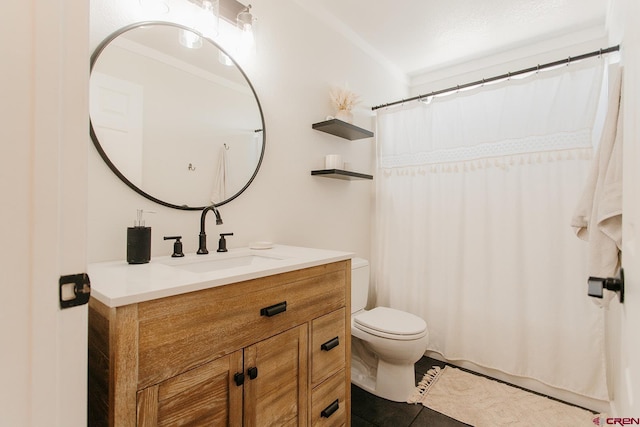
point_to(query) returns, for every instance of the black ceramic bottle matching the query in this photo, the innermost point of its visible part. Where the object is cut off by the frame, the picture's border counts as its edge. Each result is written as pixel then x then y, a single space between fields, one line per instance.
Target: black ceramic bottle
pixel 138 242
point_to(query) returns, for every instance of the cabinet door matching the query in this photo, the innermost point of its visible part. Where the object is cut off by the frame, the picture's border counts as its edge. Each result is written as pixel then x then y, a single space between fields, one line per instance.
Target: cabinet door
pixel 276 380
pixel 206 395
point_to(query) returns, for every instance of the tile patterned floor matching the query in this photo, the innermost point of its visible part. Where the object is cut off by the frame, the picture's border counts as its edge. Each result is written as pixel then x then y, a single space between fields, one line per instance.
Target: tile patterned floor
pixel 368 410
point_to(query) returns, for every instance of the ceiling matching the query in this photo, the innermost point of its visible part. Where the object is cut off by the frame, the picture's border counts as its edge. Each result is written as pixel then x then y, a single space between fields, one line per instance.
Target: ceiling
pixel 417 36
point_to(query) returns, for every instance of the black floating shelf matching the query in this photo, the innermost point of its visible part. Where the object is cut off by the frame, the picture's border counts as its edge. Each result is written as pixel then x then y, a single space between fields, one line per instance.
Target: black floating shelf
pixel 341 174
pixel 342 129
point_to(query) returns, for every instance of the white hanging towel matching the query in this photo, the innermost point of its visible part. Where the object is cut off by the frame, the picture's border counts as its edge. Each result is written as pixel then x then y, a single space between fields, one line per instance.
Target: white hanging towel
pixel 220 177
pixel 598 217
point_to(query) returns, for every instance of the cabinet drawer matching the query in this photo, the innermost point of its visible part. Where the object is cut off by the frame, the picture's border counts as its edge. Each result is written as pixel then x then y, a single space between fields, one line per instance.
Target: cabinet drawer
pixel 181 332
pixel 328 405
pixel 328 346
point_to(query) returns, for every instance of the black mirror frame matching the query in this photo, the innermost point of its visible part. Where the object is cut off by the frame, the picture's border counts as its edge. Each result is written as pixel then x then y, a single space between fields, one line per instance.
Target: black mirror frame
pixel 114 169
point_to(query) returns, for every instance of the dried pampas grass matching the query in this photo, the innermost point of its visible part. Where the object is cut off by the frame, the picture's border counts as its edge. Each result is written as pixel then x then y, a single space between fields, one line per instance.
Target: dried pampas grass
pixel 343 99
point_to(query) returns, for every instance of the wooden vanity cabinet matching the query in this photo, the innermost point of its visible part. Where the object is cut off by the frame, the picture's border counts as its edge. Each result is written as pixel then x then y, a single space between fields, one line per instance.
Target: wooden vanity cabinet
pixel 228 355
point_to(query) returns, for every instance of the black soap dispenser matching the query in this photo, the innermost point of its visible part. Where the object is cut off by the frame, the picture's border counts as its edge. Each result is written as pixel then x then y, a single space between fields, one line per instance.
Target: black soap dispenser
pixel 138 241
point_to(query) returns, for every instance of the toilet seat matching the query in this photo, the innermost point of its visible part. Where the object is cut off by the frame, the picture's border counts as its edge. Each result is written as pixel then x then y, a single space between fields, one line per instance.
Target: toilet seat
pixel 390 323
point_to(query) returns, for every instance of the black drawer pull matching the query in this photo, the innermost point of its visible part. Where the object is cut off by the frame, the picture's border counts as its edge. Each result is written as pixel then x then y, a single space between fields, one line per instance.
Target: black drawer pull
pixel 274 309
pixel 332 343
pixel 329 410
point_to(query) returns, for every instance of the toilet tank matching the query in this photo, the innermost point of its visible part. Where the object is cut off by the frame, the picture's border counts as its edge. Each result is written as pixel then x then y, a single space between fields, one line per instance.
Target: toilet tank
pixel 359 284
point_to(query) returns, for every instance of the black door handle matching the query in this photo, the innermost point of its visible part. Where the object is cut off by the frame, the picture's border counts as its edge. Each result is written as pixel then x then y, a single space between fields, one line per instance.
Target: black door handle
pixel 332 343
pixel 329 410
pixel 272 310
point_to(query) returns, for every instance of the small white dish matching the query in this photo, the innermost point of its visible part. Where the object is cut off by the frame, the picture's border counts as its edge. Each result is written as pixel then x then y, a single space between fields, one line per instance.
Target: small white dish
pixel 261 245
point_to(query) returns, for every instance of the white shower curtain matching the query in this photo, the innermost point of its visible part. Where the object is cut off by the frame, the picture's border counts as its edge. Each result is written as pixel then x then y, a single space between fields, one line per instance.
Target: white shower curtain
pixel 474 194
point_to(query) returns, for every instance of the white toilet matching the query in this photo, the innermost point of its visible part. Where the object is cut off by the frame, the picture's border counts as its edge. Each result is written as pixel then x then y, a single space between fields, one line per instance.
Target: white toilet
pixel 386 343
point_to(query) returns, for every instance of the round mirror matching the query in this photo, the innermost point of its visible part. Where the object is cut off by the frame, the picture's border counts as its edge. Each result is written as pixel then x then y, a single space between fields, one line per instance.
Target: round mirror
pixel 174 117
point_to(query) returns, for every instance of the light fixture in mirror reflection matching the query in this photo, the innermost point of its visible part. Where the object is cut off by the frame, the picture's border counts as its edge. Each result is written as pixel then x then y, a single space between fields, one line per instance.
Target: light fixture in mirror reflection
pixel 175 124
pixel 204 18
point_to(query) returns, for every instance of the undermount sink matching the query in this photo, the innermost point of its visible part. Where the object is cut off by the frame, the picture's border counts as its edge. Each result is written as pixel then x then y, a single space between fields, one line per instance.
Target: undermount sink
pixel 206 264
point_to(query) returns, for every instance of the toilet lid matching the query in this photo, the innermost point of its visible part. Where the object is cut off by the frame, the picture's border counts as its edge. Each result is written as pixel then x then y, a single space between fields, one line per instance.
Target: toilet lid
pixel 390 321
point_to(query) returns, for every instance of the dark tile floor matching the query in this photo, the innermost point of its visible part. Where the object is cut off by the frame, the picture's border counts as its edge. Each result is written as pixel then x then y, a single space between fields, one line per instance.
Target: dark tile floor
pixel 368 410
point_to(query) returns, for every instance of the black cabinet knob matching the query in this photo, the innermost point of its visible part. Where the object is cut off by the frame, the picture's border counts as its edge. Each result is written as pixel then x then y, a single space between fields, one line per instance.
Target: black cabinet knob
pixel 253 373
pixel 239 378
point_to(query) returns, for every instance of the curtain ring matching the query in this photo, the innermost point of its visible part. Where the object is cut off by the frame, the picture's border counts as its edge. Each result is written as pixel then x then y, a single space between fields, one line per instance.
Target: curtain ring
pixel 568 60
pixel 600 53
pixel 538 69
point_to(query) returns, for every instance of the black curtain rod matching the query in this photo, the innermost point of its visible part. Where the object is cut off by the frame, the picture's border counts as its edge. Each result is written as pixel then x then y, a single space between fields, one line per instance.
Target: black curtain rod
pixel 506 76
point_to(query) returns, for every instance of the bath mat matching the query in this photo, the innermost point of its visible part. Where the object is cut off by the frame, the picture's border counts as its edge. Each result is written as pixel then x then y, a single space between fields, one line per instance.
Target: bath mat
pixel 482 402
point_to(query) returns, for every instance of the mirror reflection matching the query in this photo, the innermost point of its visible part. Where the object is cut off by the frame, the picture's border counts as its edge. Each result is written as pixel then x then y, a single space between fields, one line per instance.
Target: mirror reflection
pixel 176 124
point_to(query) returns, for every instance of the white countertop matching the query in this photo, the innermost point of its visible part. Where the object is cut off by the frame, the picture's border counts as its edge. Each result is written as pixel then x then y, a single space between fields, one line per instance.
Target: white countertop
pixel 117 283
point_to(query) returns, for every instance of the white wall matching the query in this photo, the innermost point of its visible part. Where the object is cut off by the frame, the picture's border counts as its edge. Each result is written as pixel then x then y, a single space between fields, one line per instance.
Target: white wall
pixel 298 59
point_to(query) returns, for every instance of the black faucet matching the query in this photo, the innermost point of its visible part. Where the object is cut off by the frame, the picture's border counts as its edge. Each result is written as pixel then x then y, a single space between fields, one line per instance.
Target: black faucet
pixel 203 236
